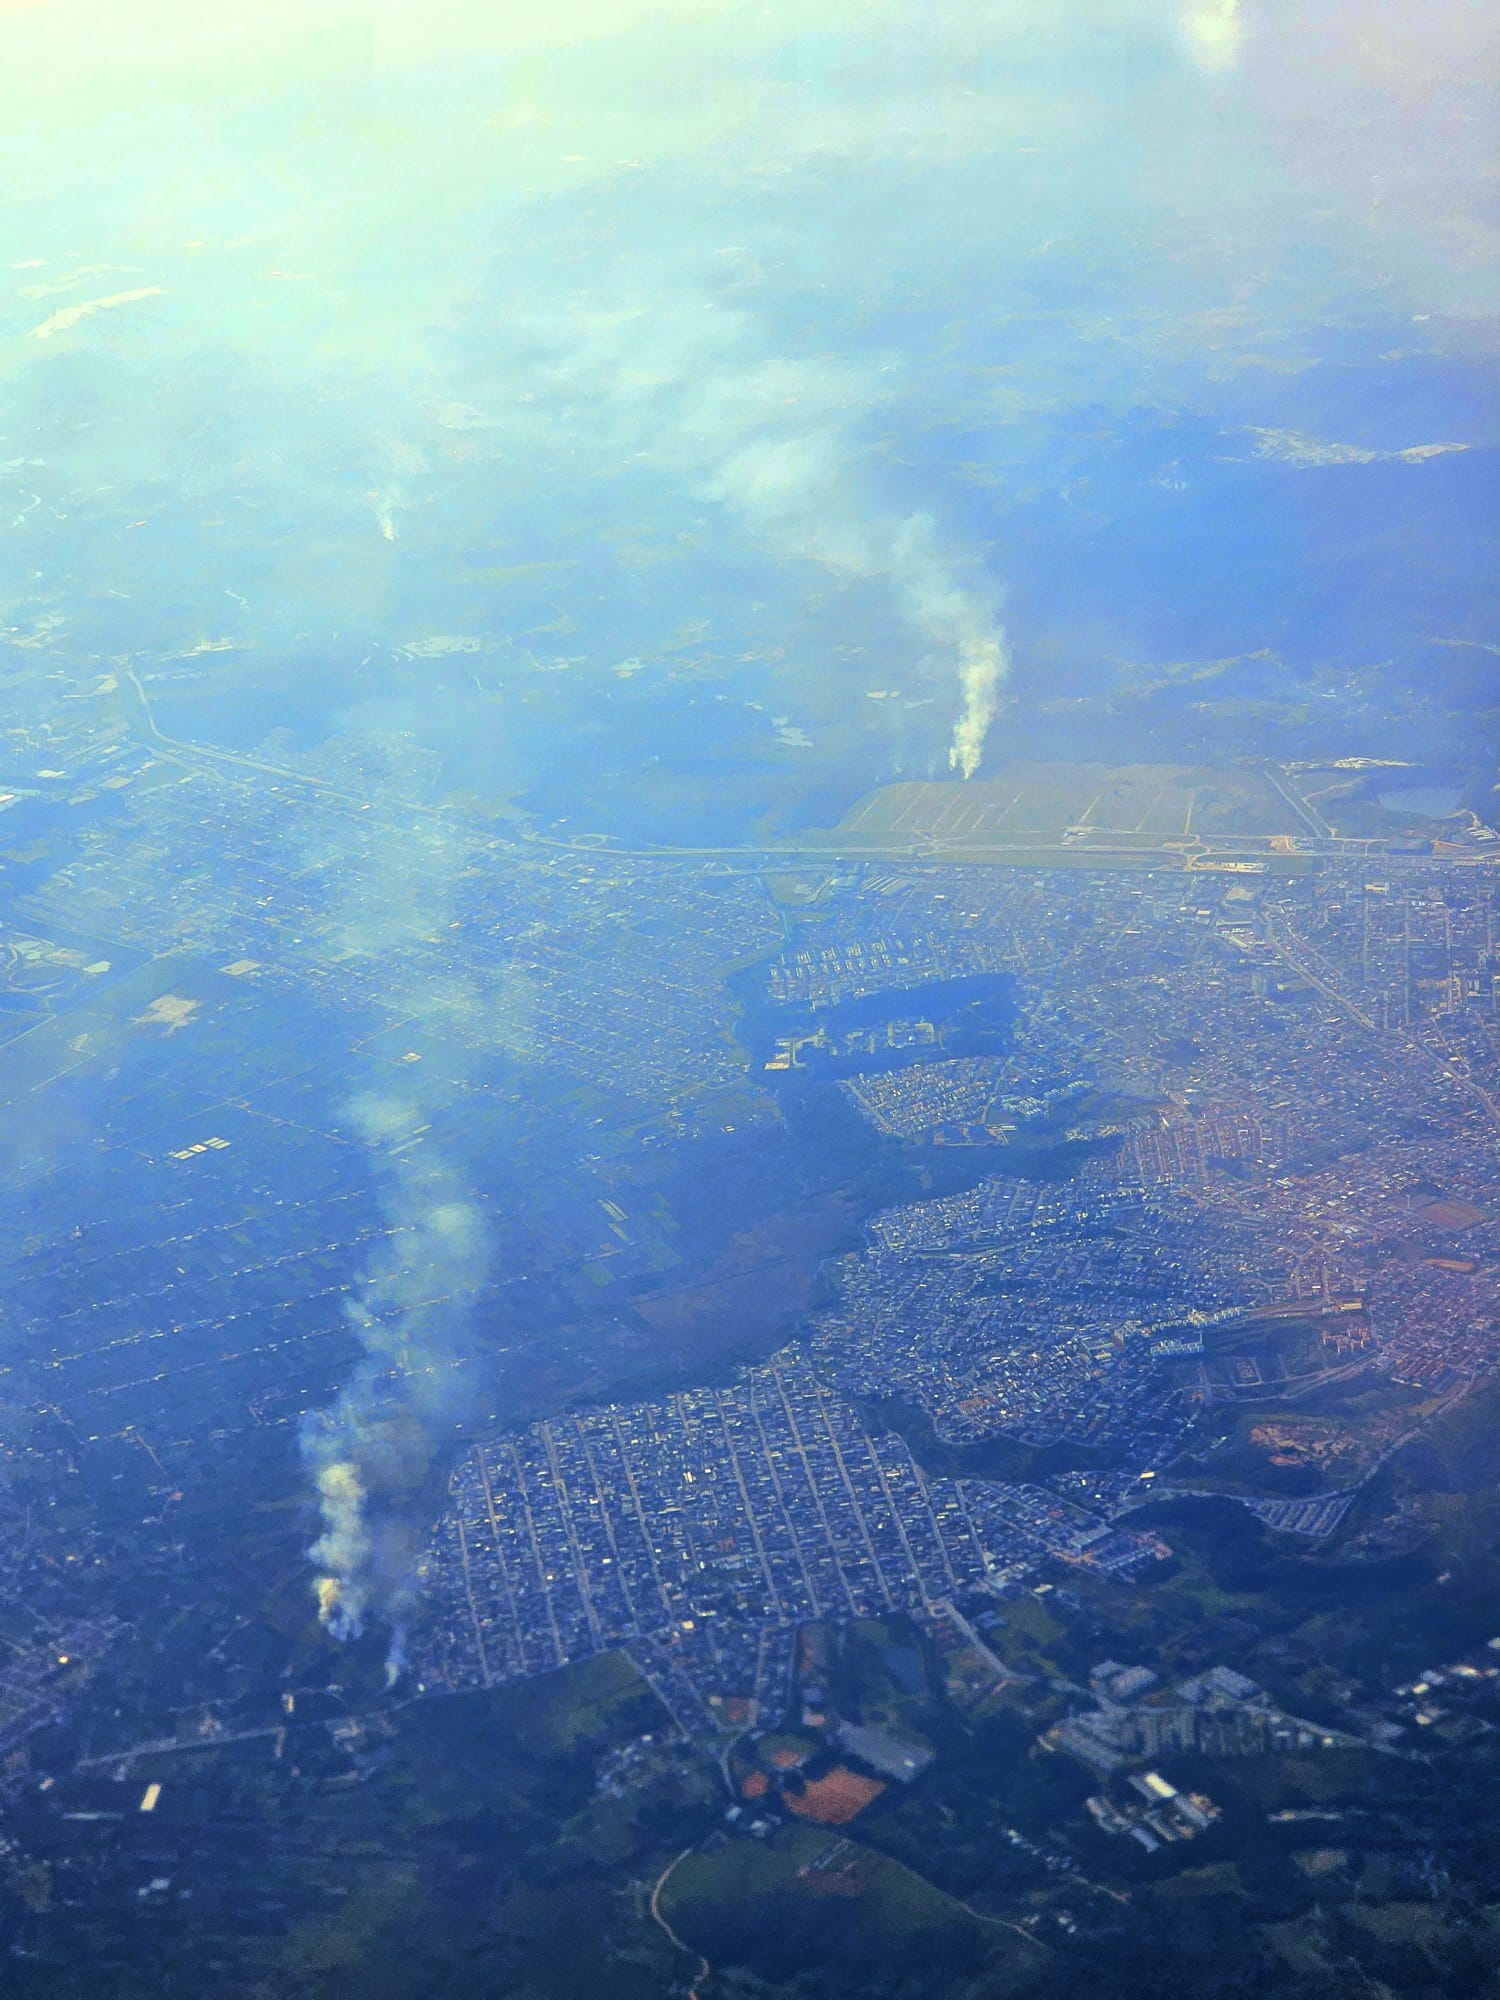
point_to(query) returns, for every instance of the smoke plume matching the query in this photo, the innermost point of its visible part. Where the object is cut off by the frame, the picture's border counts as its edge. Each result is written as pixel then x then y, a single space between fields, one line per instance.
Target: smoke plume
pixel 393 889
pixel 412 1316
pixel 775 441
pixel 961 628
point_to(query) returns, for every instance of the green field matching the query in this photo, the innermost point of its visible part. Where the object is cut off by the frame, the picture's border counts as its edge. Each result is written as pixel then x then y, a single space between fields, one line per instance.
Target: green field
pixel 810 1897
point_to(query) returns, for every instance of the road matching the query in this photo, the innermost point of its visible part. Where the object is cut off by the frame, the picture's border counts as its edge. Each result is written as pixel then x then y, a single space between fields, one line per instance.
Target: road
pixel 1314 823
pixel 195 755
pixel 1298 963
pixel 704 1968
pixel 1318 843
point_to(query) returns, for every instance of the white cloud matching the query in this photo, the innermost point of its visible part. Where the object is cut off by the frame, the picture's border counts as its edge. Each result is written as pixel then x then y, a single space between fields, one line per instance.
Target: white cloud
pixel 1214 31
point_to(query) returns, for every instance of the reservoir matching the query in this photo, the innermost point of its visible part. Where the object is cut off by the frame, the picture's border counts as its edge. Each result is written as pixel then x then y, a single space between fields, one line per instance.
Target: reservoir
pixel 1434 801
pixel 871 1033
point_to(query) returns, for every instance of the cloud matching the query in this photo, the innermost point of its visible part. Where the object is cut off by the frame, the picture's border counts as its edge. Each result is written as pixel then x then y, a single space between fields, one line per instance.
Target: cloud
pixel 1214 31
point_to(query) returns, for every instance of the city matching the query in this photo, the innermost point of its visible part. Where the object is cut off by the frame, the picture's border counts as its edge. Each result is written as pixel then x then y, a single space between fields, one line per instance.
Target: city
pixel 1211 1221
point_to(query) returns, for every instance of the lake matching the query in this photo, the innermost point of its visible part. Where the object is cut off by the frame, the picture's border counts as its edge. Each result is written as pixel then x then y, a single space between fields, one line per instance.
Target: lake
pixel 1425 801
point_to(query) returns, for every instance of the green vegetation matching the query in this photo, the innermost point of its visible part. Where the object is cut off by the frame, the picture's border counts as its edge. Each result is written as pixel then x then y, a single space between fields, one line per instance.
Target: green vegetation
pixel 812 1898
pixel 582 1708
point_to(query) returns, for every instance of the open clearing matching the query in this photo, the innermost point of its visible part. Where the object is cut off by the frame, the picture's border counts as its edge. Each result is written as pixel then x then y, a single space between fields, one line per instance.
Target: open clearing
pixel 1027 805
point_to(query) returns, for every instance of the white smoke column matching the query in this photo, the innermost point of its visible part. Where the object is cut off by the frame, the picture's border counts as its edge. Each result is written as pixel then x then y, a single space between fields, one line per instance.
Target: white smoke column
pixel 341 1550
pixel 983 667
pixel 773 440
pixel 395 1658
pixel 385 512
pixel 403 462
pixel 393 888
pixel 374 1447
pixel 960 626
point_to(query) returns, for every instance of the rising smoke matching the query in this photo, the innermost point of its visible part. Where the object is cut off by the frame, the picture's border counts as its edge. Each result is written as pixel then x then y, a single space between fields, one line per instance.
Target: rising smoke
pixel 960 627
pixel 413 1317
pixel 419 1375
pixel 774 440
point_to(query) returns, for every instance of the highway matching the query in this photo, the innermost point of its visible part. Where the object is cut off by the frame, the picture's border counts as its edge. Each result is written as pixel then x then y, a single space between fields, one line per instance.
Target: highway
pixel 1202 854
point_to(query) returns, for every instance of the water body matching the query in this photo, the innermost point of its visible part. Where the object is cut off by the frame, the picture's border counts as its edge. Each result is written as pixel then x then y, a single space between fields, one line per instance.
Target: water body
pixel 1424 801
pixel 876 1032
